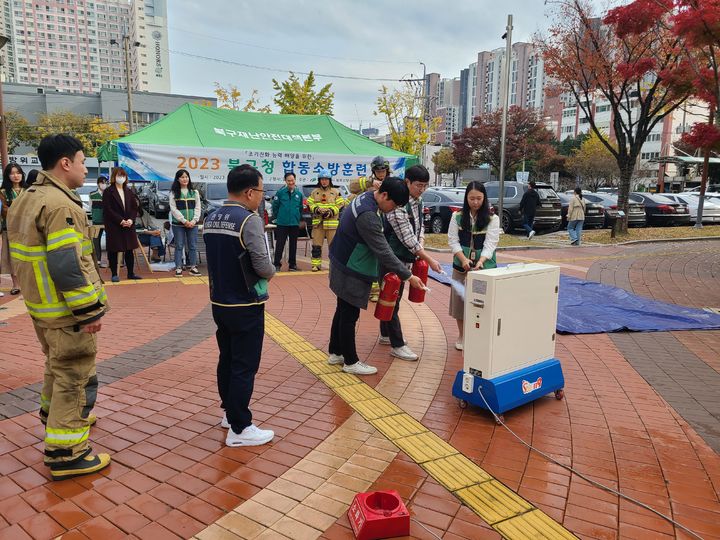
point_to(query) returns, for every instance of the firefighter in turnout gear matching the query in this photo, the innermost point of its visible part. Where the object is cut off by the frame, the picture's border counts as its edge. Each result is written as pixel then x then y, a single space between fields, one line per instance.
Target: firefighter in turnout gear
pixel 64 295
pixel 379 170
pixel 325 203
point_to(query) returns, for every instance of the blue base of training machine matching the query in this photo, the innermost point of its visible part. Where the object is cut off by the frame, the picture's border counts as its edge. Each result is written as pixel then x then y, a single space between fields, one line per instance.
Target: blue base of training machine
pixel 511 389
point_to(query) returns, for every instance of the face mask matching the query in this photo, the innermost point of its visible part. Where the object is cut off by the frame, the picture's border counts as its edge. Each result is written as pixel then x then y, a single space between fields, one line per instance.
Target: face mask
pixel 120 180
pixel 101 187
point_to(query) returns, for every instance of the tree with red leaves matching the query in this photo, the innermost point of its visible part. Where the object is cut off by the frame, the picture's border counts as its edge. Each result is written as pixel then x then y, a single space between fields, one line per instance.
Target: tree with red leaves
pixel 527 140
pixel 696 24
pixel 621 59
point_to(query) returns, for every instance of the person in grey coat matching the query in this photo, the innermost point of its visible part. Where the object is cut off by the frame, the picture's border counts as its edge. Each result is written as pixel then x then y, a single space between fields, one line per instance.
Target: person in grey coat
pixel 358 247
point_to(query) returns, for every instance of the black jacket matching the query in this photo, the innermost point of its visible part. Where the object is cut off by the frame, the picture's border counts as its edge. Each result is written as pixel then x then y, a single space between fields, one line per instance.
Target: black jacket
pixel 529 202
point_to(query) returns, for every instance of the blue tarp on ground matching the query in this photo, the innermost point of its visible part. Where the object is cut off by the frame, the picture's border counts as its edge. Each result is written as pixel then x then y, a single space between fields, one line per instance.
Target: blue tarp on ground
pixel 587 307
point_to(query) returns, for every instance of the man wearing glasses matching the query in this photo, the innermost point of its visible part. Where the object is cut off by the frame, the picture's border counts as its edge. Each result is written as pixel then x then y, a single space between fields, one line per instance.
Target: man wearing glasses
pixel 405 233
pixel 239 268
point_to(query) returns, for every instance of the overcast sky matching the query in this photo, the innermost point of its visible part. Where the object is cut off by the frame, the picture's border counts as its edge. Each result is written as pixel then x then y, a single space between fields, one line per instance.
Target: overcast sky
pixel 361 38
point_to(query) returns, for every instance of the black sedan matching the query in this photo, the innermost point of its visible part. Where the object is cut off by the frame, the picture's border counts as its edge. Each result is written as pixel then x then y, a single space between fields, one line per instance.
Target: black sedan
pixel 438 207
pixel 636 209
pixel 660 210
pixel 594 212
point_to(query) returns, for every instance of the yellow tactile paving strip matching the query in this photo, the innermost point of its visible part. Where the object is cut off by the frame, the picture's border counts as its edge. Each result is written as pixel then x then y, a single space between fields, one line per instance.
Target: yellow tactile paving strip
pixel 504 510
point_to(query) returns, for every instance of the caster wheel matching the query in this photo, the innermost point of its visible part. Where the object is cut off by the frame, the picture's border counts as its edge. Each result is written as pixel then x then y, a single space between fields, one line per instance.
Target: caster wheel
pixel 500 419
pixel 462 404
pixel 559 394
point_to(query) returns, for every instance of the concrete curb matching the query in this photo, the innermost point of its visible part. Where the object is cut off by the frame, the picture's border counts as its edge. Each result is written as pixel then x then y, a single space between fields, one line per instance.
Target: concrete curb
pixel 628 243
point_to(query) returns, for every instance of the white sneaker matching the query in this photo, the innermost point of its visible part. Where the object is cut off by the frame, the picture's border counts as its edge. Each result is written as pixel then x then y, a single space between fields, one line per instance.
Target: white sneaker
pixel 224 422
pixel 404 353
pixel 250 436
pixel 459 345
pixel 360 368
pixel 2 294
pixel 335 359
pixel 532 233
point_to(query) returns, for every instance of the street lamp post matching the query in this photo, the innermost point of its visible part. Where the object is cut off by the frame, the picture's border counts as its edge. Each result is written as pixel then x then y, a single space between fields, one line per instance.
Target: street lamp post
pixel 3 123
pixel 505 103
pixel 128 82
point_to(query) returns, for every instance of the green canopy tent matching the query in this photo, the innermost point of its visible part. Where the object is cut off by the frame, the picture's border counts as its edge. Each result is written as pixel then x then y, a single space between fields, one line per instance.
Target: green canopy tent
pixel 208 142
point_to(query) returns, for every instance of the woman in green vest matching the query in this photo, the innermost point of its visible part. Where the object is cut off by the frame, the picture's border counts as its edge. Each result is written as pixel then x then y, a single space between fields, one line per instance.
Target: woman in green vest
pixel 13 184
pixel 473 236
pixel 185 212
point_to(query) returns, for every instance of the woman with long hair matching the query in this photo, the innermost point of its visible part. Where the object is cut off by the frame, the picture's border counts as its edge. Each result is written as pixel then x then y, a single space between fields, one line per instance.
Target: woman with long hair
pixel 576 217
pixel 120 211
pixel 13 184
pixel 473 235
pixel 185 212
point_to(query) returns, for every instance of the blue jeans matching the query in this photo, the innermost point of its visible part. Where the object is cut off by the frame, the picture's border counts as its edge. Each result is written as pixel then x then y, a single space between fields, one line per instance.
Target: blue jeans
pixel 575 230
pixel 182 236
pixel 528 223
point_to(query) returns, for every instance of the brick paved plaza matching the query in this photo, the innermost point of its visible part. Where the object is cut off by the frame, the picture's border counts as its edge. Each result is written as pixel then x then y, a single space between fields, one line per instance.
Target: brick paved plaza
pixel 641 413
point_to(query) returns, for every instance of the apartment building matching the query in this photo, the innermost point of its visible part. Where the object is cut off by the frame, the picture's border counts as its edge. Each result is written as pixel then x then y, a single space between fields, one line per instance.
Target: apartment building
pixel 77 45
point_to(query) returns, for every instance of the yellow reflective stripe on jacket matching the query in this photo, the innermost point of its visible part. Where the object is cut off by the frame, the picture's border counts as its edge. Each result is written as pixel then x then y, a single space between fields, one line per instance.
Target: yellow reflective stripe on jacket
pixel 45 285
pixel 66 437
pixel 27 253
pixel 87 247
pixel 81 296
pixel 47 310
pixel 63 237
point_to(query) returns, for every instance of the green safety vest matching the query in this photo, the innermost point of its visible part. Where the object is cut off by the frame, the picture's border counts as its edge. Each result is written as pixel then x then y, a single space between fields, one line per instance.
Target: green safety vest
pixel 472 244
pixel 186 205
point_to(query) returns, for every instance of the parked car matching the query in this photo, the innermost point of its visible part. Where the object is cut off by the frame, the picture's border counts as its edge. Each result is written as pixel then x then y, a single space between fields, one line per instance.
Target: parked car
pixel 547 216
pixel 212 195
pixel 659 210
pixel 438 206
pixel 710 188
pixel 84 194
pixel 158 198
pixel 636 210
pixel 594 212
pixel 711 206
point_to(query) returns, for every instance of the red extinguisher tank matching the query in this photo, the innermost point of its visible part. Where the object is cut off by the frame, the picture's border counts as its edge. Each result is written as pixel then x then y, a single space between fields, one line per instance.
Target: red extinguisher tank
pixel 419 269
pixel 389 292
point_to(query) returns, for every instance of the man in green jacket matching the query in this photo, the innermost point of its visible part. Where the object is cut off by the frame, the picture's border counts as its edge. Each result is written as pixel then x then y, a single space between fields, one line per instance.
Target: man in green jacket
pixel 287 211
pixel 96 215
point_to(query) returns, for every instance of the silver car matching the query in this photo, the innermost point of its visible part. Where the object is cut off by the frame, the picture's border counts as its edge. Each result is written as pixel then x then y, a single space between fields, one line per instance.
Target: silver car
pixel 711 206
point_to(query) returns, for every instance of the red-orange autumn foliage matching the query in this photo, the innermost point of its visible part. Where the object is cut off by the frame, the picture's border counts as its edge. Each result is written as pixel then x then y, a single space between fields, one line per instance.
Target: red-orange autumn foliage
pixel 616 60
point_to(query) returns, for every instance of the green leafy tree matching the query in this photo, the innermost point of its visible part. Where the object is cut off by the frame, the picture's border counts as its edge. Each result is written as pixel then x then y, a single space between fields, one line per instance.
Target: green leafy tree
pixel 231 98
pixel 404 111
pixel 294 96
pixel 19 132
pixel 445 163
pixel 93 132
pixel 595 165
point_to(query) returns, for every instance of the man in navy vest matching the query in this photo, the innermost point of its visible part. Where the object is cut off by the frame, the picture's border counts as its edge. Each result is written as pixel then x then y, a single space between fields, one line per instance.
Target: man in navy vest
pixel 239 268
pixel 358 247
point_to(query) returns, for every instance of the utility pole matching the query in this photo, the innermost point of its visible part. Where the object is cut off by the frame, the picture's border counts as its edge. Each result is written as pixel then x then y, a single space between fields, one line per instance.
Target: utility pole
pixel 505 102
pixel 128 79
pixel 126 46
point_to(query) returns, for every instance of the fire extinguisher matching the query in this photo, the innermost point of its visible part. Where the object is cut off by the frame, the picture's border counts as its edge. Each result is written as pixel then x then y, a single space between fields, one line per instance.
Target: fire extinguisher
pixel 419 269
pixel 389 292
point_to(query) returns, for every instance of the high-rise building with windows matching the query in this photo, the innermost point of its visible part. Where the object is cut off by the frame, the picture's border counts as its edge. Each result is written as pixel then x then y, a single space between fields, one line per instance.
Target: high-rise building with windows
pixel 77 45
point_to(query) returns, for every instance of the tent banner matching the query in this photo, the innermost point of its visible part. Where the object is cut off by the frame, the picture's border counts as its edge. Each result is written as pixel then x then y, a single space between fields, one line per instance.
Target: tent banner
pixel 154 162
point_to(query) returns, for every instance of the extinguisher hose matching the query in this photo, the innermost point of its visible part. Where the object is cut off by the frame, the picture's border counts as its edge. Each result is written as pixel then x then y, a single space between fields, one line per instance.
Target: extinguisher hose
pixel 588 480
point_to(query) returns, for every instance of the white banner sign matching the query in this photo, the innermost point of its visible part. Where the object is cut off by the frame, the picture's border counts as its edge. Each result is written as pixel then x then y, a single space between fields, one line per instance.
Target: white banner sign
pixel 157 162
